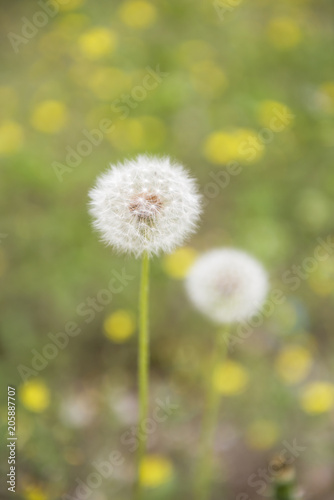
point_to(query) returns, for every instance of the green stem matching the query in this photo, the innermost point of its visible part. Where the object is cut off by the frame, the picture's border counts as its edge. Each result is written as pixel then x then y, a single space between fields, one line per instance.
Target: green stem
pixel 205 469
pixel 143 365
pixel 284 491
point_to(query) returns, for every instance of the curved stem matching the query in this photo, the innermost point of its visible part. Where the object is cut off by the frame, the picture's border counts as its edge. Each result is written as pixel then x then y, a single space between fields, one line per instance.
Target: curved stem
pixel 143 365
pixel 205 469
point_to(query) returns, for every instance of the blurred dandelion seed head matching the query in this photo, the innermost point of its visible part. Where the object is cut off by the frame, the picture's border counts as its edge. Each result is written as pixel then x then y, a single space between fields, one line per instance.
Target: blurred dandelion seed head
pixel 227 285
pixel 148 204
pixel 78 410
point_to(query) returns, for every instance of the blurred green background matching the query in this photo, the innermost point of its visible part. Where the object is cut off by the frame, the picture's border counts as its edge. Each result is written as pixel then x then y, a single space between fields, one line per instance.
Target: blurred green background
pixel 246 82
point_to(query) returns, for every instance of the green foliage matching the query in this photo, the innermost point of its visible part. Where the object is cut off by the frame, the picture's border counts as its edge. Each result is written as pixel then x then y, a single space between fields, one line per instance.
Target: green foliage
pixel 220 75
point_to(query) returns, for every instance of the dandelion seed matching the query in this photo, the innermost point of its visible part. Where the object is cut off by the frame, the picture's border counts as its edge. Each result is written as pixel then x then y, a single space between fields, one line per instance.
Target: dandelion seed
pixel 227 285
pixel 147 204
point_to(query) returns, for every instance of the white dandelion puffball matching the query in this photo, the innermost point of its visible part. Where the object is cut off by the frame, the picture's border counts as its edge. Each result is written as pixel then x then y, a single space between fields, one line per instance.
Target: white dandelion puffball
pixel 148 204
pixel 227 285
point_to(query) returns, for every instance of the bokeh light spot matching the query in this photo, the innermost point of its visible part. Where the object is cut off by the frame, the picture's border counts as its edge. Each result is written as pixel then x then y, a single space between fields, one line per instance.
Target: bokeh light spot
pixel 138 14
pixel 275 115
pixel 34 493
pixel 35 395
pixel 108 82
pixel 293 363
pixel 155 470
pixel 208 78
pixel 11 137
pixel 327 93
pixel 284 33
pixel 230 378
pixel 97 43
pixel 243 145
pixel 262 434
pixel 49 116
pixel 119 326
pixel 317 397
pixel 70 4
pixel 321 280
pixel 178 263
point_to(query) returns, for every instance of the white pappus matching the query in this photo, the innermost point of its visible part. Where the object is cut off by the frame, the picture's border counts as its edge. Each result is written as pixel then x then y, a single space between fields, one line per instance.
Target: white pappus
pixel 227 285
pixel 146 204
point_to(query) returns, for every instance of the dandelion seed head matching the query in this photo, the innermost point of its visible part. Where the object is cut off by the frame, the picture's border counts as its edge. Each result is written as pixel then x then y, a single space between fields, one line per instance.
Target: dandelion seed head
pixel 227 285
pixel 148 204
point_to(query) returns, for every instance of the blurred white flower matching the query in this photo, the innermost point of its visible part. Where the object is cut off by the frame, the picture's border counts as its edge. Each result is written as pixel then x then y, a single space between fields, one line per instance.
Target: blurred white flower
pixel 147 204
pixel 125 406
pixel 78 410
pixel 227 285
